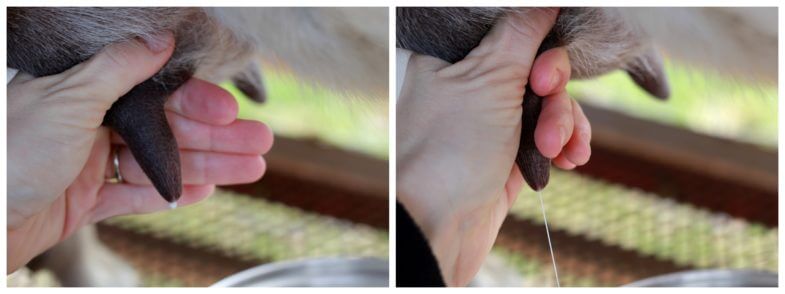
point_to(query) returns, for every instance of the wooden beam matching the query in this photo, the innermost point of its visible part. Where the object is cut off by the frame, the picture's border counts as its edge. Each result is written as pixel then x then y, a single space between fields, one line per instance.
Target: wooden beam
pixel 314 162
pixel 682 149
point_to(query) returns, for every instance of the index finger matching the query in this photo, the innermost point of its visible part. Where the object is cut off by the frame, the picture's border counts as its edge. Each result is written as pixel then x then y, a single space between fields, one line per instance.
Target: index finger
pixel 204 102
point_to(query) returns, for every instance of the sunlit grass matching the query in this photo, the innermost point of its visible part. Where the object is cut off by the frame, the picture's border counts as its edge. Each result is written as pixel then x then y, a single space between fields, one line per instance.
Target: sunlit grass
pixel 299 110
pixel 249 227
pixel 700 101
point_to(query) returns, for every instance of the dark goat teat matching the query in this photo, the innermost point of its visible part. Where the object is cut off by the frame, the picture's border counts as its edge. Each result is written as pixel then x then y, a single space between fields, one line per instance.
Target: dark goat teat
pixel 250 83
pixel 139 118
pixel 535 167
pixel 647 72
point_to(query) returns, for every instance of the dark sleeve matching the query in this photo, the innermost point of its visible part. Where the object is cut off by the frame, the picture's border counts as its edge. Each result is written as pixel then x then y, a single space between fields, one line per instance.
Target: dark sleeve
pixel 416 265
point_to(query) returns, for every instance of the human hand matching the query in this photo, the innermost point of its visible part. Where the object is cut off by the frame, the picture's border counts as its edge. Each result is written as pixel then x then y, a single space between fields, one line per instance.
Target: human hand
pixel 458 133
pixel 59 156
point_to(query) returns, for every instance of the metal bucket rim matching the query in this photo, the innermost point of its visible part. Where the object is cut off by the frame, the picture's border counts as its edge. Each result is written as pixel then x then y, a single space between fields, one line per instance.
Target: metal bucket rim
pixel 693 276
pixel 253 273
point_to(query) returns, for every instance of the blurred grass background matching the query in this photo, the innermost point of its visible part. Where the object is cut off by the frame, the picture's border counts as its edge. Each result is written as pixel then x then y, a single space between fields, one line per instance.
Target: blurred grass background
pixel 299 110
pixel 700 101
pixel 703 102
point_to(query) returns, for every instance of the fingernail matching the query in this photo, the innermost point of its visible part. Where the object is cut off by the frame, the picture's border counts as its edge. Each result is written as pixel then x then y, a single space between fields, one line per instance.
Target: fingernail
pixel 159 42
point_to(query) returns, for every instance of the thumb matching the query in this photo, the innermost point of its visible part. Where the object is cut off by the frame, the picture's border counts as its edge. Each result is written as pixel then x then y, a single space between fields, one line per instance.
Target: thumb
pixel 117 68
pixel 516 37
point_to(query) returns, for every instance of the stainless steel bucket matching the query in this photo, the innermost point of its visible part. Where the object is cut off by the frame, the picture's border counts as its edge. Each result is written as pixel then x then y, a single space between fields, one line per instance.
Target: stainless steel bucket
pixel 322 272
pixel 711 278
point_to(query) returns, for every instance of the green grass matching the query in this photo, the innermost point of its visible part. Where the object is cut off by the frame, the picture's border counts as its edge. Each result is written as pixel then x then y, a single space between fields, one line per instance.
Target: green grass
pixel 299 110
pixel 650 224
pixel 642 222
pixel 701 101
pixel 537 274
pixel 257 229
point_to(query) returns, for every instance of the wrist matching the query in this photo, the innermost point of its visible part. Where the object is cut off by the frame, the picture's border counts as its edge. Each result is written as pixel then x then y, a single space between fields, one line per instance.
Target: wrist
pixel 21 199
pixel 430 208
pixel 425 200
